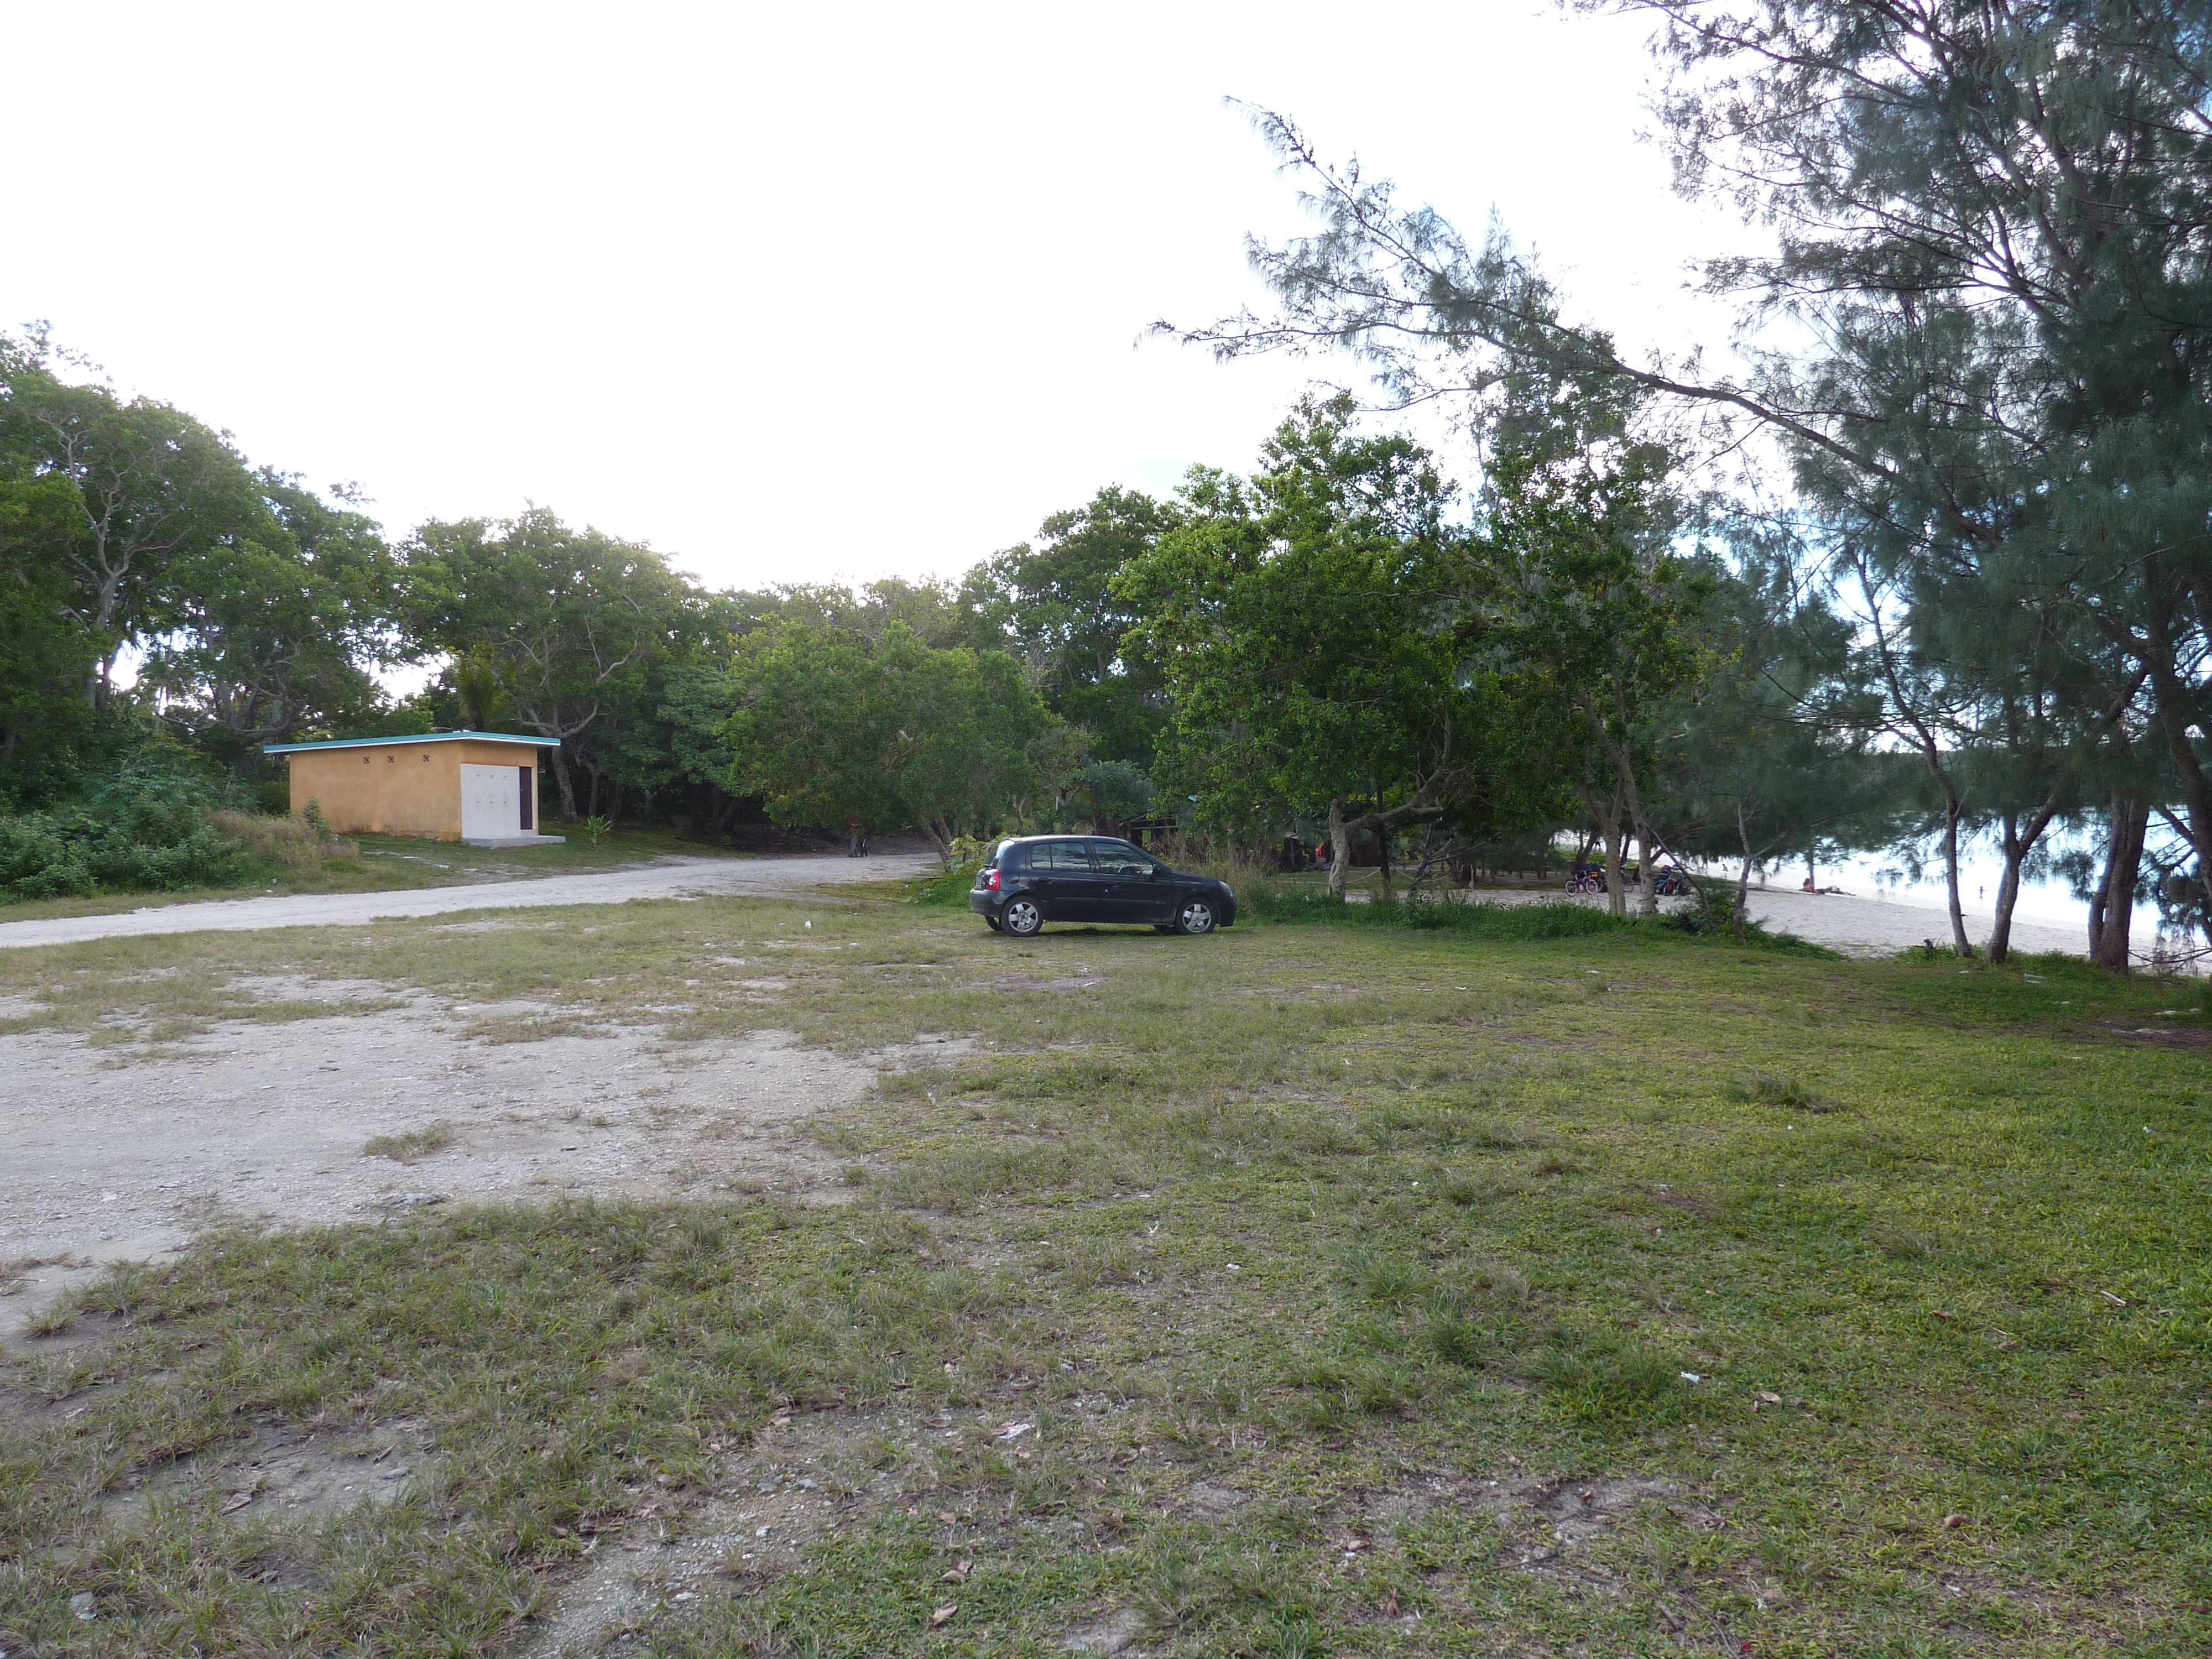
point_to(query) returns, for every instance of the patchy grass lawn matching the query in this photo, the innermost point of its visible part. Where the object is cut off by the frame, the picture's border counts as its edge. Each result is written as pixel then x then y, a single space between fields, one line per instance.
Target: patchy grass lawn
pixel 1303 1290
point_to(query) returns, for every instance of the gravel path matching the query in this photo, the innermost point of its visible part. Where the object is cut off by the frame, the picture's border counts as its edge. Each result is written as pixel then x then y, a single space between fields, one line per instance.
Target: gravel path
pixel 669 877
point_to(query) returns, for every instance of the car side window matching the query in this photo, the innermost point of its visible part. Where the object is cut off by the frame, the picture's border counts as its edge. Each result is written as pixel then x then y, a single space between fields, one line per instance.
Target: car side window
pixel 1118 858
pixel 1065 858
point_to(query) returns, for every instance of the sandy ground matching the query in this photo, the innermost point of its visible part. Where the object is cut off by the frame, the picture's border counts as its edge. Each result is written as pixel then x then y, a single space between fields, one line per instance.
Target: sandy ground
pixel 1843 922
pixel 668 877
pixel 107 1162
pixel 1878 927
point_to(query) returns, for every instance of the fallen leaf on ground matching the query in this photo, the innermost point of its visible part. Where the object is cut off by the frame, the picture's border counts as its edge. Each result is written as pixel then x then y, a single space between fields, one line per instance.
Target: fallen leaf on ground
pixel 2117 1301
pixel 237 1500
pixel 1954 1520
pixel 943 1614
pixel 1768 1399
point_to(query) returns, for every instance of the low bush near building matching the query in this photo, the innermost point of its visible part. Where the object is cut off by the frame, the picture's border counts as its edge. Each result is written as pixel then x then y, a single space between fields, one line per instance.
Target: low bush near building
pixel 298 843
pixel 143 824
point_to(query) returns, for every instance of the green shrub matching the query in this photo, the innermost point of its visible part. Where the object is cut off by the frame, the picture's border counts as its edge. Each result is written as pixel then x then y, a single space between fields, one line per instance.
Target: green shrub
pixel 299 843
pixel 1714 917
pixel 949 888
pixel 1267 901
pixel 142 824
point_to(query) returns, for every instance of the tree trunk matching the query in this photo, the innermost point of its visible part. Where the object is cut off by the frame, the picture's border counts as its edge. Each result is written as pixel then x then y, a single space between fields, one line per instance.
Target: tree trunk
pixel 2019 841
pixel 1608 829
pixel 1647 900
pixel 1959 942
pixel 568 784
pixel 943 835
pixel 2008 892
pixel 1339 854
pixel 1382 844
pixel 2111 908
pixel 1647 870
pixel 1743 875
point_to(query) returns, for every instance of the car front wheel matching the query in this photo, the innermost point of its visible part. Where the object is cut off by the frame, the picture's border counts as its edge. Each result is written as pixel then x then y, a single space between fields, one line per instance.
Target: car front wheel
pixel 1196 916
pixel 1021 918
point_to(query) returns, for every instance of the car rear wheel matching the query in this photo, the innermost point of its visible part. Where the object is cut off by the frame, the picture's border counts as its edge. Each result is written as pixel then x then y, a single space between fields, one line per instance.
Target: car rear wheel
pixel 1196 916
pixel 1021 918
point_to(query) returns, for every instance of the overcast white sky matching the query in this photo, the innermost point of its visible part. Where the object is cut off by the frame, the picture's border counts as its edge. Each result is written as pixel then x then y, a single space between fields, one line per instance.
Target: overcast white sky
pixel 792 293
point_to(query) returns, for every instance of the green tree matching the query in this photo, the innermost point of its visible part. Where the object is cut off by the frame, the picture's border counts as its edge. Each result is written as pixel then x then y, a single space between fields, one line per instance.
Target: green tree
pixel 1587 586
pixel 274 624
pixel 2022 189
pixel 571 621
pixel 151 487
pixel 1309 628
pixel 1771 760
pixel 830 726
pixel 46 652
pixel 1054 603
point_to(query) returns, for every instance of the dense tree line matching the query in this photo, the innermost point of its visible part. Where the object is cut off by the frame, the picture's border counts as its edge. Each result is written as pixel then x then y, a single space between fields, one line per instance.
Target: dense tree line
pixel 1987 382
pixel 1970 599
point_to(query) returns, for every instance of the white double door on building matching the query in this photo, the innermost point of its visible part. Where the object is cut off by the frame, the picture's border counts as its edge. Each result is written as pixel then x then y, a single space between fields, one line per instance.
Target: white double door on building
pixel 491 801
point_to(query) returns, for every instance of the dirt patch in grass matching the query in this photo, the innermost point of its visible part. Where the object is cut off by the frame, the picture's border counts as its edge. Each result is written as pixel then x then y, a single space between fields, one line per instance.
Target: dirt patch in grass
pixel 804 1475
pixel 280 1472
pixel 300 1123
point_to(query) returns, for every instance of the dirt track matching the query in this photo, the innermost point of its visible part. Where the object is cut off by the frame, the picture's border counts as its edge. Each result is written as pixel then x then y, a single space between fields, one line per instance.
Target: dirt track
pixel 670 878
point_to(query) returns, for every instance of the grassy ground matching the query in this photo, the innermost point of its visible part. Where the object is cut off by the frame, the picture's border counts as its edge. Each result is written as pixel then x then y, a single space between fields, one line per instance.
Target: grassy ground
pixel 388 863
pixel 1303 1290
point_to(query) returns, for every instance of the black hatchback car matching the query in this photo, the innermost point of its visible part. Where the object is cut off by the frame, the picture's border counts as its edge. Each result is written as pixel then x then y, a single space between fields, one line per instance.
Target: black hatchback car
pixel 1035 879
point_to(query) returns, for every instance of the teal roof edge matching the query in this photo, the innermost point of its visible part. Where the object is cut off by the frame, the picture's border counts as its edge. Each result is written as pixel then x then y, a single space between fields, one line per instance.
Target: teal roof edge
pixel 425 737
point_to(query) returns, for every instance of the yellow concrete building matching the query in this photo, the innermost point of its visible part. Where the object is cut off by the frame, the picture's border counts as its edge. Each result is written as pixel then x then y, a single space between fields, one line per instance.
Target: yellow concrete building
pixel 480 788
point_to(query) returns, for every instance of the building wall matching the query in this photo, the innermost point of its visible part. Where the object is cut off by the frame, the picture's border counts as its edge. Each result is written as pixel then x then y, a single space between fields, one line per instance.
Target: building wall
pixel 396 788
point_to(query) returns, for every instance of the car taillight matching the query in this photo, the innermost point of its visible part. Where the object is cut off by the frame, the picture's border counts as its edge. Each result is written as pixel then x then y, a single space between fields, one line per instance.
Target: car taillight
pixel 991 880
